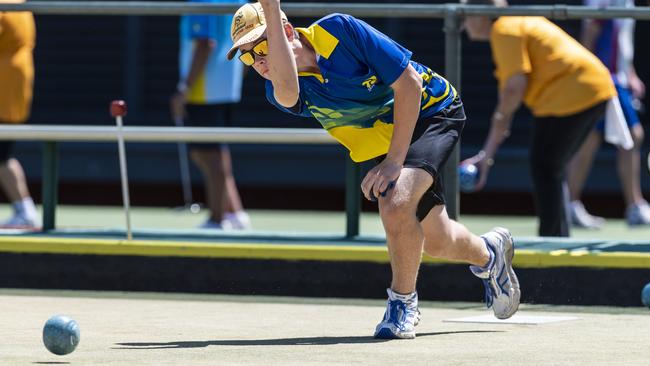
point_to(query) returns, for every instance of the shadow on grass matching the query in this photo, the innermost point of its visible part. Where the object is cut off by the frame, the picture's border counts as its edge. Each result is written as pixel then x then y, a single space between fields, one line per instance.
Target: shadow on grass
pixel 307 341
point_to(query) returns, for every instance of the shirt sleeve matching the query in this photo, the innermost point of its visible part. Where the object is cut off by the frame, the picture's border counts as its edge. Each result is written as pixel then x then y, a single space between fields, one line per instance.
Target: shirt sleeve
pixel 202 26
pixel 300 109
pixel 510 55
pixel 387 58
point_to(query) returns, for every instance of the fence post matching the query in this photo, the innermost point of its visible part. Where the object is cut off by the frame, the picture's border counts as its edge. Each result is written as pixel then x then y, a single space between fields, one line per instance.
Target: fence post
pixel 352 197
pixel 50 184
pixel 453 75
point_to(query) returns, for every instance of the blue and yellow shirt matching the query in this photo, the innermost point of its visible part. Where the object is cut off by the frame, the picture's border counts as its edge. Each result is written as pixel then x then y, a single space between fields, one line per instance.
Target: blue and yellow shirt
pixel 221 80
pixel 351 97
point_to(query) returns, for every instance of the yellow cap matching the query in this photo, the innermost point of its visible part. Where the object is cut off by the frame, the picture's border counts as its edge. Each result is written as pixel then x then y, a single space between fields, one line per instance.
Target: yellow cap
pixel 248 25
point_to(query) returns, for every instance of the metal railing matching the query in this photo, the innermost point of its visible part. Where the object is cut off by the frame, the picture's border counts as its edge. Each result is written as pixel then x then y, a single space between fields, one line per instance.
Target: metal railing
pixel 451 13
pixel 167 134
pixel 51 135
pixel 396 10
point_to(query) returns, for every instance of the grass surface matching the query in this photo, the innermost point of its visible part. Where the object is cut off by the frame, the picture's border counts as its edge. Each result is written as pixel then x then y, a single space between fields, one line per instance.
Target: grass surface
pixel 96 217
pixel 174 329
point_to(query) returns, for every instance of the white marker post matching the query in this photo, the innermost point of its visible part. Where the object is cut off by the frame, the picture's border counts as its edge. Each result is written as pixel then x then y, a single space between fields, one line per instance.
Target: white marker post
pixel 186 180
pixel 118 110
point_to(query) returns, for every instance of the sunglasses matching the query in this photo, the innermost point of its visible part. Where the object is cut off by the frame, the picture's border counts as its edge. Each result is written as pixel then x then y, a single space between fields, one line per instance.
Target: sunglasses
pixel 260 49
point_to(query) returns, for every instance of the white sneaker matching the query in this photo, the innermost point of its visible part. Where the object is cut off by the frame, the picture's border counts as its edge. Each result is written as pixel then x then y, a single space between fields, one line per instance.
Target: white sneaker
pixel 401 317
pixel 19 222
pixel 236 221
pixel 581 218
pixel 209 224
pixel 502 291
pixel 638 214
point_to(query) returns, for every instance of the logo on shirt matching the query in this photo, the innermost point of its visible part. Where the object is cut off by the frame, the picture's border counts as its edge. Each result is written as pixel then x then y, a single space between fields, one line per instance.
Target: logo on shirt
pixel 370 82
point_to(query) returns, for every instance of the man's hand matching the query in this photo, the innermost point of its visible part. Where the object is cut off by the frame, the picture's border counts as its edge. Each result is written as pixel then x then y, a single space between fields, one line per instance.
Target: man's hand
pixel 483 164
pixel 177 105
pixel 636 86
pixel 380 179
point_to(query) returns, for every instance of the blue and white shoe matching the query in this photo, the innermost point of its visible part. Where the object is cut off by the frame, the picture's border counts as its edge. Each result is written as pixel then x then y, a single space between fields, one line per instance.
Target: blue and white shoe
pixel 401 317
pixel 638 214
pixel 502 291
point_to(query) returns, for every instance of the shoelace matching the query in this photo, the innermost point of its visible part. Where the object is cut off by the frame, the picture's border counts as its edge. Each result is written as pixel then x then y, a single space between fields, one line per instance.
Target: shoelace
pixel 395 307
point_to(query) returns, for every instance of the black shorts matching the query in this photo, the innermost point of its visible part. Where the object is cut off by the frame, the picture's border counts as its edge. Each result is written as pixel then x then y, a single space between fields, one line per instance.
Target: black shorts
pixel 433 141
pixel 207 115
pixel 6 149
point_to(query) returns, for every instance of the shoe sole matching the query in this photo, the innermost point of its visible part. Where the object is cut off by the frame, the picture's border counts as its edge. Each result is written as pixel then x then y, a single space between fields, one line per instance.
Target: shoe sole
pixel 20 227
pixel 386 333
pixel 596 224
pixel 510 254
pixel 637 224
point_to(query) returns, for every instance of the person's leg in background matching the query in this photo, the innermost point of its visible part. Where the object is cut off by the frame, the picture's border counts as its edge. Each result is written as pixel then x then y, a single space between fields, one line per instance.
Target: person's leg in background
pixel 208 160
pixel 14 184
pixel 547 175
pixel 554 141
pixel 628 163
pixel 577 174
pixel 207 157
pixel 215 164
pixel 235 217
pixel 628 166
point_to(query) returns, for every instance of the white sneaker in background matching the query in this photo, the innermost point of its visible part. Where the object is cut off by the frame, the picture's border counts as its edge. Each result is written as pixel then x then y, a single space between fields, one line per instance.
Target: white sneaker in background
pixel 236 221
pixel 581 218
pixel 209 224
pixel 638 214
pixel 19 222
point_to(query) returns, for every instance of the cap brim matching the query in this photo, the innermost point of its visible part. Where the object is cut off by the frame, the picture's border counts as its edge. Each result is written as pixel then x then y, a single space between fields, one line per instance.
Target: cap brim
pixel 249 37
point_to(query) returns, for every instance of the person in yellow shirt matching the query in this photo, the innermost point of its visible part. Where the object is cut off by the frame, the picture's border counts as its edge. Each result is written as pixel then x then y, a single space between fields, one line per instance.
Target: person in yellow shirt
pixel 17 39
pixel 564 85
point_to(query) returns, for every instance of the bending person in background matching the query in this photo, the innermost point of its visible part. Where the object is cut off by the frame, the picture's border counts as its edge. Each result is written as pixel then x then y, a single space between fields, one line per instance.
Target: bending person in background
pixel 566 88
pixel 368 93
pixel 612 40
pixel 208 87
pixel 17 40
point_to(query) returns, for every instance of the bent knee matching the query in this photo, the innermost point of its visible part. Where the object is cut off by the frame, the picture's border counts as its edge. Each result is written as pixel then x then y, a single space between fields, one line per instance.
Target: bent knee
pixel 396 209
pixel 395 215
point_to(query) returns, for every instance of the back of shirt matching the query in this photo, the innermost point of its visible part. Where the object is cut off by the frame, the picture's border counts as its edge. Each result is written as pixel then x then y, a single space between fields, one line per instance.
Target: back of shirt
pixel 564 78
pixel 351 96
pixel 615 43
pixel 17 39
pixel 221 80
